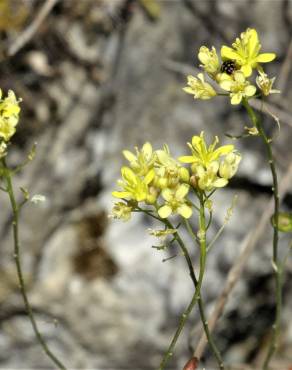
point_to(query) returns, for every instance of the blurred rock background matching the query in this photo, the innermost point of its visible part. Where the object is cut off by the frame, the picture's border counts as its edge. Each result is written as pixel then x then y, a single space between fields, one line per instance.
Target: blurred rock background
pixel 99 76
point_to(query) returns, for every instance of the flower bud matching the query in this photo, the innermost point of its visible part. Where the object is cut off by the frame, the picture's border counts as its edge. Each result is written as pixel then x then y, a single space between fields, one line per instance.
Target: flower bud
pixel 163 183
pixel 193 181
pixel 184 174
pixel 229 166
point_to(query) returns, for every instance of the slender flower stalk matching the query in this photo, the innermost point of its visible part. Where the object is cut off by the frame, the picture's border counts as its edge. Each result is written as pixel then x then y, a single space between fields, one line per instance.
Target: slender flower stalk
pixel 197 294
pixel 15 209
pixel 276 264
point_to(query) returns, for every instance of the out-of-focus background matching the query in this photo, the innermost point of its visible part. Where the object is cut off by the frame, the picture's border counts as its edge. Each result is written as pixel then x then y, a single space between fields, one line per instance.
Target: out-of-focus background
pixel 96 77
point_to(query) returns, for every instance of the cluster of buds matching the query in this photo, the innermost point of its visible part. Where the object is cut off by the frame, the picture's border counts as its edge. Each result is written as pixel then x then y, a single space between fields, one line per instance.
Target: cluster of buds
pixel 156 178
pixel 9 116
pixel 232 74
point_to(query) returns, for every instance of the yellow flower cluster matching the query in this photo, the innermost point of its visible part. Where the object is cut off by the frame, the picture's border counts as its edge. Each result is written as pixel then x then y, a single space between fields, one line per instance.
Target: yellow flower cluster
pixel 231 75
pixel 9 115
pixel 157 179
pixel 210 170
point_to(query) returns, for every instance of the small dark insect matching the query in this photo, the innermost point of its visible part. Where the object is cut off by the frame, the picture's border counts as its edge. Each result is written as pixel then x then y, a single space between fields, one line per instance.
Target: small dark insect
pixel 228 67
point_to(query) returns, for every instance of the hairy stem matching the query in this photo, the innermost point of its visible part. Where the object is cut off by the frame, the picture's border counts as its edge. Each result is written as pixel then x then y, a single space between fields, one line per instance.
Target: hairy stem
pixel 277 269
pixel 17 259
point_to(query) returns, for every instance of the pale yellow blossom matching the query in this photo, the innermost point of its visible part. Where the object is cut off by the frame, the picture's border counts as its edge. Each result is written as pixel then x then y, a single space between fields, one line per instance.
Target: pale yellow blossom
pixel 134 187
pixel 175 202
pixel 199 88
pixel 142 161
pixel 121 211
pixel 209 60
pixel 245 52
pixel 265 84
pixel 237 85
pixel 228 167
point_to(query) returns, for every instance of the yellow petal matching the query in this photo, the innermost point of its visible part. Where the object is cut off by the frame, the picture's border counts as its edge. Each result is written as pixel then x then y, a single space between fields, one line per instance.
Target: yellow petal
pixel 182 191
pixel 253 42
pixel 129 156
pixel 213 167
pixel 167 194
pixel 225 149
pixel 185 211
pixel 187 159
pixel 246 70
pixel 149 177
pixel 201 77
pixel 236 98
pixel 226 85
pixel 265 57
pixel 162 156
pixel 219 183
pixel 250 90
pixel 164 211
pixel 189 90
pixel 229 53
pixel 239 77
pixel 128 175
pixel 147 150
pixel 121 194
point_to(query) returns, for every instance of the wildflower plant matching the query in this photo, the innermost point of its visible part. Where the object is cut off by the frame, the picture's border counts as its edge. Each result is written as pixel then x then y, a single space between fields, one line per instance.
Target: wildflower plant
pixel 175 191
pixel 9 118
pixel 170 190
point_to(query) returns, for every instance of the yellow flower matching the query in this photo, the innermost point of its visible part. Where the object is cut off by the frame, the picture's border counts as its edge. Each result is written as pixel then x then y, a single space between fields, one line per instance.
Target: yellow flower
pixel 229 166
pixel 175 202
pixel 199 88
pixel 121 211
pixel 143 161
pixel 209 60
pixel 203 155
pixel 237 85
pixel 245 52
pixel 265 84
pixel 134 187
pixel 207 178
pixel 9 115
pixel 168 171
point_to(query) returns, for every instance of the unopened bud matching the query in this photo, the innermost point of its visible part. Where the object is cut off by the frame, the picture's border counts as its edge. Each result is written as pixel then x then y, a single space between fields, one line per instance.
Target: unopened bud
pixel 193 181
pixel 184 174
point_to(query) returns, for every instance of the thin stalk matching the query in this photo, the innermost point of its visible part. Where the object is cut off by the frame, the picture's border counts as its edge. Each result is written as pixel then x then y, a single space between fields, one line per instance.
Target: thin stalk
pixel 17 259
pixel 194 299
pixel 277 270
pixel 201 304
pixel 197 296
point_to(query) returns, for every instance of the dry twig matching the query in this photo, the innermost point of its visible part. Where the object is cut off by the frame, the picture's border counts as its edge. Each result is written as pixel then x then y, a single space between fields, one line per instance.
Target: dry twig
pixel 31 30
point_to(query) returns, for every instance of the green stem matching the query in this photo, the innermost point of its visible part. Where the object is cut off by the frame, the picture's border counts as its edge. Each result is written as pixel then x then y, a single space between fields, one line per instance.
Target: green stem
pixel 201 304
pixel 277 270
pixel 197 296
pixel 17 259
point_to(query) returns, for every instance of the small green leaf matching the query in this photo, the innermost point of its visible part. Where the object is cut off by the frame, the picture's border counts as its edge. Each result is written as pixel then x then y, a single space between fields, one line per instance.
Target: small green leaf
pixel 284 222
